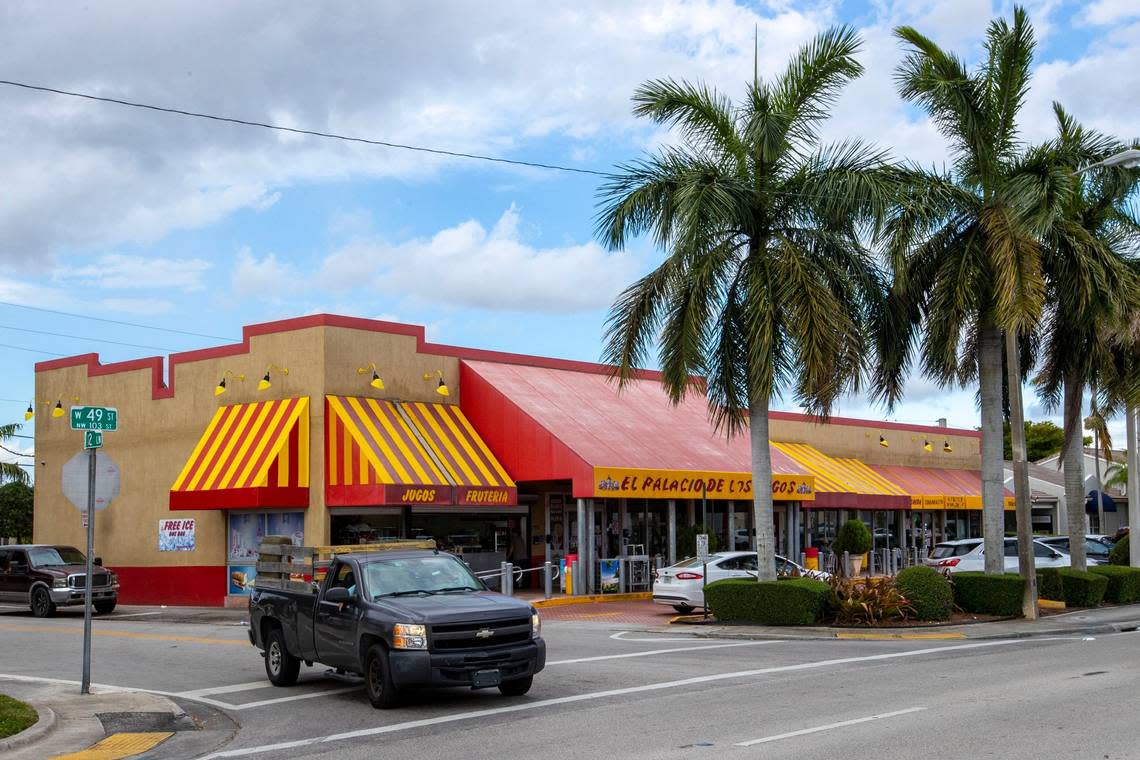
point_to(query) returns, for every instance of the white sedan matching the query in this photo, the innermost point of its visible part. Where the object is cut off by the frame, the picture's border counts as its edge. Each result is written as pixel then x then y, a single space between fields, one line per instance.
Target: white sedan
pixel 681 586
pixel 969 554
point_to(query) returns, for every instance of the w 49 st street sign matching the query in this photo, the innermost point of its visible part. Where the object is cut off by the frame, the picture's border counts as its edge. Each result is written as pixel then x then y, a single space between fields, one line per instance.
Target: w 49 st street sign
pixel 94 418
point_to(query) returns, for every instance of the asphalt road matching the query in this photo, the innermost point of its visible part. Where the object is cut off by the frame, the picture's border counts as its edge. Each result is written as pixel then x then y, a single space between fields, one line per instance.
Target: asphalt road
pixel 614 693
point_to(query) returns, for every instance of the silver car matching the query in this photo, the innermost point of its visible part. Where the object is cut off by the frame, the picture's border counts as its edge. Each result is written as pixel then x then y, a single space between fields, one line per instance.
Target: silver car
pixel 968 554
pixel 681 586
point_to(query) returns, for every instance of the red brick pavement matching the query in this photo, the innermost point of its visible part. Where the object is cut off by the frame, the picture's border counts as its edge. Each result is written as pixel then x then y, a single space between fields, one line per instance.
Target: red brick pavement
pixel 635 613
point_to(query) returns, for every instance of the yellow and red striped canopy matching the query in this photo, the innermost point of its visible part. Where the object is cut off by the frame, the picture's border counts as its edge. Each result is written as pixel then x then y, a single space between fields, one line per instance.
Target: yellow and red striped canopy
pixel 385 452
pixel 250 455
pixel 845 482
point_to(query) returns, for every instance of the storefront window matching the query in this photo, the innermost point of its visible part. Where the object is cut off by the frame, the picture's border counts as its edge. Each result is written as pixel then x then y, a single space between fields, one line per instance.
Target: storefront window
pixel 245 531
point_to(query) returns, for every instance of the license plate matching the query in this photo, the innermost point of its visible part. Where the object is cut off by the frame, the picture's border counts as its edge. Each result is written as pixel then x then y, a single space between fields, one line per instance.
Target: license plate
pixel 484 678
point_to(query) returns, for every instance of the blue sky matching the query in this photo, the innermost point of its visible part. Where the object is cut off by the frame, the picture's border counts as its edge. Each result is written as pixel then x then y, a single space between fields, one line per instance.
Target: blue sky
pixel 204 227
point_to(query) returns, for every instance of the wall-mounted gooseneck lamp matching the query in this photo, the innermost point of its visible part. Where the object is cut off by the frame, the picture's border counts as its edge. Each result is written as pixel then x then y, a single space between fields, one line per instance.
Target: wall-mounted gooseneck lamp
pixel 375 382
pixel 221 386
pixel 265 383
pixel 441 389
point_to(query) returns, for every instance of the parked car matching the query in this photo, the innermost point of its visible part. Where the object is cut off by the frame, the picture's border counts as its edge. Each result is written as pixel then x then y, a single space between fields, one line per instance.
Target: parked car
pixel 681 586
pixel 969 554
pixel 46 577
pixel 1097 547
pixel 403 619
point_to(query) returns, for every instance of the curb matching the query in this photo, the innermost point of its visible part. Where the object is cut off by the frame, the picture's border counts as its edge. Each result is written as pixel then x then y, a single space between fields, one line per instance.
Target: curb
pixel 636 596
pixel 33 733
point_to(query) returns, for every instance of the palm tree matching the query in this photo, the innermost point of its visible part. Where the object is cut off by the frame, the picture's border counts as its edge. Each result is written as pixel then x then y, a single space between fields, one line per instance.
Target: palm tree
pixel 765 287
pixel 1090 287
pixel 10 471
pixel 962 240
pixel 1116 476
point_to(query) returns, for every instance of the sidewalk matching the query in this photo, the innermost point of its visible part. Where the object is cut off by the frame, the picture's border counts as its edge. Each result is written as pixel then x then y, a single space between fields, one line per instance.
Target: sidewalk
pixel 1089 622
pixel 130 722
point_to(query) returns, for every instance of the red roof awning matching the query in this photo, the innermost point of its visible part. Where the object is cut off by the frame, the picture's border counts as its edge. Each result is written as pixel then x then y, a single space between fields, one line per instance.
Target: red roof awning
pixel 938 488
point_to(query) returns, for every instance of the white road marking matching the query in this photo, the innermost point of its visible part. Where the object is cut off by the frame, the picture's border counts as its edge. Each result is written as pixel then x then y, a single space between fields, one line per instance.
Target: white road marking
pixel 133 614
pixel 263 684
pixel 596 695
pixel 828 727
pixel 294 698
pixel 662 651
pixel 621 636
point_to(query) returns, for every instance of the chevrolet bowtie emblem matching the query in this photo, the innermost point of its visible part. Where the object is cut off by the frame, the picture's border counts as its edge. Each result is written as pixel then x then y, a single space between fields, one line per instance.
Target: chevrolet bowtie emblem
pixel 484 633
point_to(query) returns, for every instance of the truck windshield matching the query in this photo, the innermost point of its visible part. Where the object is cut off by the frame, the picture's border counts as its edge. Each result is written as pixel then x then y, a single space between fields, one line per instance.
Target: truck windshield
pixel 411 575
pixel 56 557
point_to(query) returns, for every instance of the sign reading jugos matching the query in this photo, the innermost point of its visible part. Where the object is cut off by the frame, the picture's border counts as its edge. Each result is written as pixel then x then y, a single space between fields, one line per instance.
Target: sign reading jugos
pixel 694 484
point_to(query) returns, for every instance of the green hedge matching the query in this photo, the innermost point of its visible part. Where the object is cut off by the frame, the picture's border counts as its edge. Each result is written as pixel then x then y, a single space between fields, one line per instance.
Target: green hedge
pixel 791 601
pixel 1123 583
pixel 1049 584
pixel 1082 589
pixel 928 592
pixel 989 594
pixel 1119 553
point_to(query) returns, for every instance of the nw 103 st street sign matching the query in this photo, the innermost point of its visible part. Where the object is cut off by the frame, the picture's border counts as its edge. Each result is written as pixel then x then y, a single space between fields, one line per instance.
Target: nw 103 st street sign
pixel 94 418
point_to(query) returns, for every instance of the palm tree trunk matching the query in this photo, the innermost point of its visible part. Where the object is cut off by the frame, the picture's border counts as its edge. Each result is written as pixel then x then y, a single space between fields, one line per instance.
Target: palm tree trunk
pixel 993 488
pixel 1025 564
pixel 1073 458
pixel 762 490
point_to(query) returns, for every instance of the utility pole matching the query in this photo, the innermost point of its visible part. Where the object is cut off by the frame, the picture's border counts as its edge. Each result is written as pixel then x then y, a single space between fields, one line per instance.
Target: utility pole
pixel 1133 484
pixel 1025 563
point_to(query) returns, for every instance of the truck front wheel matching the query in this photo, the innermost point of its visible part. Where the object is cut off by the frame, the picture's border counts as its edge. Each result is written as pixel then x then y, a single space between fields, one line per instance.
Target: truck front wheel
pixel 382 693
pixel 517 687
pixel 281 667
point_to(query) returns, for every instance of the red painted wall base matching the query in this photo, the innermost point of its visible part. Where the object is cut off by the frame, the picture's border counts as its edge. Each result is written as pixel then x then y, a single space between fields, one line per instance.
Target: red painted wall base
pixel 194 586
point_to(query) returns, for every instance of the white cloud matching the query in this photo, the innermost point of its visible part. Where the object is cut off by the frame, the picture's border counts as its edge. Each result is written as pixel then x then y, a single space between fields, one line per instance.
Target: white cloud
pixel 30 294
pixel 467 265
pixel 1109 11
pixel 120 272
pixel 266 278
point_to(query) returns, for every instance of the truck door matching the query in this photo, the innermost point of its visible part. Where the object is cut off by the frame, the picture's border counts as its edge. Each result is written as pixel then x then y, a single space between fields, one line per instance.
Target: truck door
pixel 17 582
pixel 334 627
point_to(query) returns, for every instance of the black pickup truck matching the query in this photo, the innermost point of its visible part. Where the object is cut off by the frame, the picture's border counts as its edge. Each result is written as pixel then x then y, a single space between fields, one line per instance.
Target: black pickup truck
pixel 402 619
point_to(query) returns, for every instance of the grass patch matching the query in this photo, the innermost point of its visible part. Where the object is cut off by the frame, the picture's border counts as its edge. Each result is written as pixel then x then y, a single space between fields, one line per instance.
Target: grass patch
pixel 15 716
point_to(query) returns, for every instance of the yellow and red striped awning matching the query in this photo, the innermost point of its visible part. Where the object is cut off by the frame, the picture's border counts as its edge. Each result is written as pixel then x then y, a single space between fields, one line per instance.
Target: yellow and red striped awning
pixel 382 452
pixel 845 482
pixel 251 455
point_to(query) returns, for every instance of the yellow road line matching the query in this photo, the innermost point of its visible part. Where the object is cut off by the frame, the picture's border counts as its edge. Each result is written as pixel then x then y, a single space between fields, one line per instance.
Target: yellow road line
pixel 885 636
pixel 123 634
pixel 119 746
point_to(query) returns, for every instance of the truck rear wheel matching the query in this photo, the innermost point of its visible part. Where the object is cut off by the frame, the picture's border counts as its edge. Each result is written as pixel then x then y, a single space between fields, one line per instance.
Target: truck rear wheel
pixel 281 667
pixel 517 687
pixel 382 692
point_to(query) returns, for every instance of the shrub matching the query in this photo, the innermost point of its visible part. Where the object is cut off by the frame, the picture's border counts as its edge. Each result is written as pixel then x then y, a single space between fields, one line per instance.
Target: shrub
pixel 791 601
pixel 1119 553
pixel 928 592
pixel 855 601
pixel 1049 584
pixel 989 594
pixel 853 537
pixel 687 540
pixel 1081 589
pixel 1123 583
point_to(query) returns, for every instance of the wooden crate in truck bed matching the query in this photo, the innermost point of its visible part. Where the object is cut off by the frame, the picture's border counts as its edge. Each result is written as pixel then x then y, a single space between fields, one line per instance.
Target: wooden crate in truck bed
pixel 285 567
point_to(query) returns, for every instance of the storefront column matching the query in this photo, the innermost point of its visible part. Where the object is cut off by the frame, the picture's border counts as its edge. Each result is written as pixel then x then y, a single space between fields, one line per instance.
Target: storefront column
pixel 623 526
pixel 672 532
pixel 790 529
pixel 691 509
pixel 730 525
pixel 546 537
pixel 583 545
pixel 592 550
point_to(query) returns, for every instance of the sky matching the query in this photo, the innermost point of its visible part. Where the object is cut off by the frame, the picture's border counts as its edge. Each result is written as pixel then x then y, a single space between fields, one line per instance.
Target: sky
pixel 201 227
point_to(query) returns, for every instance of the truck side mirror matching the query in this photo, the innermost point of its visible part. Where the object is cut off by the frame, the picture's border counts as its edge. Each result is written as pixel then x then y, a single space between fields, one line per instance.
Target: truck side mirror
pixel 339 595
pixel 98 561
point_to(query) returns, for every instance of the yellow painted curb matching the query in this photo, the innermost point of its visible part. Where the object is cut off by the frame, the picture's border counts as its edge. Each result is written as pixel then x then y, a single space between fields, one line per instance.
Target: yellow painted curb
pixel 638 596
pixel 119 746
pixel 886 636
pixel 1049 604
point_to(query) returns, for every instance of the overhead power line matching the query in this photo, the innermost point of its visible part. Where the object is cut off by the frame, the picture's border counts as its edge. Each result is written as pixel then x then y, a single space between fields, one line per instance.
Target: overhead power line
pixel 31 350
pixel 84 337
pixel 117 322
pixel 17 453
pixel 294 130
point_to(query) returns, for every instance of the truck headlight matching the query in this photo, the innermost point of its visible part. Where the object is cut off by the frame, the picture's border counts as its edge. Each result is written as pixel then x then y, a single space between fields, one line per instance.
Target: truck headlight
pixel 59 583
pixel 535 624
pixel 113 579
pixel 407 636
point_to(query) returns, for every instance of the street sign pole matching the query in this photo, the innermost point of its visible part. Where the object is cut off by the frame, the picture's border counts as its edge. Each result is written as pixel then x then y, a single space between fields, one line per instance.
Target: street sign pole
pixel 85 688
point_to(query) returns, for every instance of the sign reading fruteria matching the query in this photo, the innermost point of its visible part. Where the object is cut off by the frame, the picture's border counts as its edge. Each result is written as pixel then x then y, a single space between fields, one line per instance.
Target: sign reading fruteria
pixel 692 484
pixel 94 418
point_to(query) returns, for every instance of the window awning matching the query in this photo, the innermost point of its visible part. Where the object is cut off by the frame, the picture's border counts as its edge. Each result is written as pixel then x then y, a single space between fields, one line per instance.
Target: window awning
pixel 938 488
pixel 387 453
pixel 842 482
pixel 250 455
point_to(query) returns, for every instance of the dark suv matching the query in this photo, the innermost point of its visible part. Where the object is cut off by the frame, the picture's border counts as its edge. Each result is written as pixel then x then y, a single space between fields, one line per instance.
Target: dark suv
pixel 45 577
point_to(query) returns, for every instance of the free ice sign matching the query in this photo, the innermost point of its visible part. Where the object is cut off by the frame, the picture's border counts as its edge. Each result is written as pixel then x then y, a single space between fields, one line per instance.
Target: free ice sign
pixel 94 418
pixel 92 439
